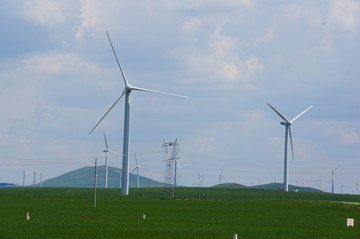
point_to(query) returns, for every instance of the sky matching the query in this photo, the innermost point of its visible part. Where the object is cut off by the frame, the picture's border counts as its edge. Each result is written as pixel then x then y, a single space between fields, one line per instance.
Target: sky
pixel 58 76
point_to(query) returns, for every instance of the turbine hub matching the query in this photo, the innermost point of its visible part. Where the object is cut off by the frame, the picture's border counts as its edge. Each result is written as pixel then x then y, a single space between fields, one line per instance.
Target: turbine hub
pixel 128 87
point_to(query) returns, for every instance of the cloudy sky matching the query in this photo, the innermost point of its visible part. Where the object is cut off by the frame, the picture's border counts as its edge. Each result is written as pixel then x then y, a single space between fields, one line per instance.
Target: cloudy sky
pixel 58 76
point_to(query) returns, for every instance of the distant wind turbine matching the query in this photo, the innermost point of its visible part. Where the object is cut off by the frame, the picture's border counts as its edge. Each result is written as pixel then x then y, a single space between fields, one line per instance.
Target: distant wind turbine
pixel 106 151
pixel 126 143
pixel 24 174
pixel 34 179
pixel 137 168
pixel 176 169
pixel 287 123
pixel 221 177
pixel 332 177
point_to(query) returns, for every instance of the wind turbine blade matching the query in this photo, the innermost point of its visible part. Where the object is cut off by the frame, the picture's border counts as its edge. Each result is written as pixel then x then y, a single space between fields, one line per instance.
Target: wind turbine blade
pixel 336 168
pixel 136 161
pixel 177 162
pixel 300 114
pixel 281 116
pixel 158 92
pixel 108 111
pixel 291 143
pixel 106 144
pixel 117 60
pixel 134 170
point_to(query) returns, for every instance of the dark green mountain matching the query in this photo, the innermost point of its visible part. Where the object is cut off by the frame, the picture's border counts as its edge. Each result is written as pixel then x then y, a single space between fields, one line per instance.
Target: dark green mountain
pixel 84 177
pixel 229 185
pixel 279 186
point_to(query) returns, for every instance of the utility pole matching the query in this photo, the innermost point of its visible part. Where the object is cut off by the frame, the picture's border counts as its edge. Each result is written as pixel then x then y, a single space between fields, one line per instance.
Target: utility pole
pixel 95 181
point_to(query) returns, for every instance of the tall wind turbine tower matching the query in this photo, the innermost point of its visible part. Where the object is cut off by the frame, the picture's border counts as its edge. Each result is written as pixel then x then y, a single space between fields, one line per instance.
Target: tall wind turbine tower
pixel 287 123
pixel 126 142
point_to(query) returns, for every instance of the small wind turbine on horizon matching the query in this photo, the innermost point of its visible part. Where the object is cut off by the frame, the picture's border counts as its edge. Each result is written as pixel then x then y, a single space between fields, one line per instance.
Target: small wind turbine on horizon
pixel 221 177
pixel 126 143
pixel 24 174
pixel 137 168
pixel 106 151
pixel 176 169
pixel 34 179
pixel 332 177
pixel 287 123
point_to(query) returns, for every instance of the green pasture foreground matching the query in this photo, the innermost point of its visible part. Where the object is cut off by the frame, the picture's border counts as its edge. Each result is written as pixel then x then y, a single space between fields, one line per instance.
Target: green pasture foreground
pixel 194 213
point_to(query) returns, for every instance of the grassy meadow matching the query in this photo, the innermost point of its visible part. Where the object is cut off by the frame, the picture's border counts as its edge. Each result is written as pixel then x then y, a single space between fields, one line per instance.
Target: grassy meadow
pixel 194 213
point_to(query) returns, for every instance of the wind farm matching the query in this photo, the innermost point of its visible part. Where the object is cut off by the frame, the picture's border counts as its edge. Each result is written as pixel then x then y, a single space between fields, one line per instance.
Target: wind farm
pixel 75 84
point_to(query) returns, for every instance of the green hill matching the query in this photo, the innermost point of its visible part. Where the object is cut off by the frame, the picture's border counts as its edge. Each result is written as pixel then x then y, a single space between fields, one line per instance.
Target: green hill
pixel 229 185
pixel 279 186
pixel 84 177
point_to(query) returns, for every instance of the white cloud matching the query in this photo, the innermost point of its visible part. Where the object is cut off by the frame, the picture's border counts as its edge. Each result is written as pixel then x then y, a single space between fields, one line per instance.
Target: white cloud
pixel 312 14
pixel 219 60
pixel 263 39
pixel 345 13
pixel 341 132
pixel 44 12
pixel 348 137
pixel 198 4
pixel 205 144
pixel 89 13
pixel 57 63
pixel 192 24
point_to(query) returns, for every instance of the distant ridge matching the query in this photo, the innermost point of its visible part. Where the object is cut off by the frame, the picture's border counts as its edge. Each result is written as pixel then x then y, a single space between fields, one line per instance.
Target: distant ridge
pixel 84 177
pixel 229 185
pixel 7 185
pixel 269 186
pixel 279 186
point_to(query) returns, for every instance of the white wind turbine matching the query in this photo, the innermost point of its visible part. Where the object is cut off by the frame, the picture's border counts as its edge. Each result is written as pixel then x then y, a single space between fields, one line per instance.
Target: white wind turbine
pixel 126 143
pixel 106 151
pixel 221 177
pixel 24 174
pixel 287 123
pixel 137 168
pixel 332 177
pixel 176 169
pixel 34 182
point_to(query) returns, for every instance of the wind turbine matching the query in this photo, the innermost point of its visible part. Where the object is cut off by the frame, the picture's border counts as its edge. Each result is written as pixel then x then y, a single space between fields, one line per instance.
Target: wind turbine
pixel 221 177
pixel 106 151
pixel 126 142
pixel 287 123
pixel 177 166
pixel 137 168
pixel 332 177
pixel 34 179
pixel 24 174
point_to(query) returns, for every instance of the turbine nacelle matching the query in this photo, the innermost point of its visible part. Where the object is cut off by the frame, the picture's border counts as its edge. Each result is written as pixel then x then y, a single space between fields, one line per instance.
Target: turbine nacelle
pixel 285 123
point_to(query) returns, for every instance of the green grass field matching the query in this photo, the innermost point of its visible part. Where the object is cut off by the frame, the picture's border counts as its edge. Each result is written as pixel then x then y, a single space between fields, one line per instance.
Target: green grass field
pixel 194 213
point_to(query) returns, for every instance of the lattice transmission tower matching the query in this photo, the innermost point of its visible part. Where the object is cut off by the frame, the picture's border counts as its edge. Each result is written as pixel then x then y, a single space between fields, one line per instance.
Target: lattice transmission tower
pixel 170 149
